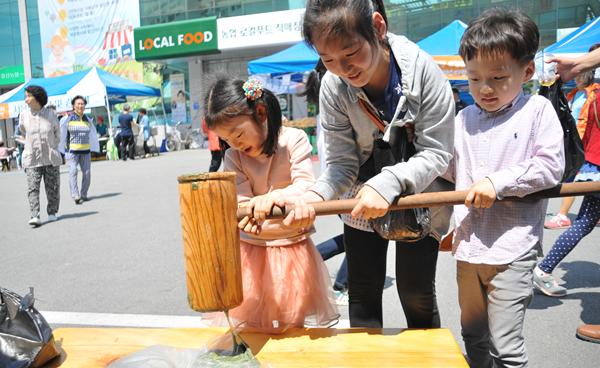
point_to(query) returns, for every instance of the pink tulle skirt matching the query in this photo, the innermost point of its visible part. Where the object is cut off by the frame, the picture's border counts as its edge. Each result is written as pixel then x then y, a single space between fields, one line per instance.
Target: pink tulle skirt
pixel 286 286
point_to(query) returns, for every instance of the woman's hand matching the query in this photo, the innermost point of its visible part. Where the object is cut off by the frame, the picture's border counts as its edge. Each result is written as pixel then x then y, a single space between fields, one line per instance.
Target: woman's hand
pixel 303 213
pixel 370 204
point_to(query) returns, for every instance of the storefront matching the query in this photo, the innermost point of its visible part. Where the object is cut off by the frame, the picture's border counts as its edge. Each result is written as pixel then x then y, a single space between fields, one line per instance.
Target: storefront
pixel 193 53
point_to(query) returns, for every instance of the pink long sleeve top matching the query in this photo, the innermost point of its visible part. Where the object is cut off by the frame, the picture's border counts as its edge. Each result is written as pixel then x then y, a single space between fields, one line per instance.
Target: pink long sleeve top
pixel 288 171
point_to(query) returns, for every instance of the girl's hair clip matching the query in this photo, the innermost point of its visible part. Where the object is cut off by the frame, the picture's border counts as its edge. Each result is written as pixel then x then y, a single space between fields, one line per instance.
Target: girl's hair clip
pixel 252 89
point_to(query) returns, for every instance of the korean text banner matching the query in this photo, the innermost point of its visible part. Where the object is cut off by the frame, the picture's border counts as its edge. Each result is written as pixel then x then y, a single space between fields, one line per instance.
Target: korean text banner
pixel 78 35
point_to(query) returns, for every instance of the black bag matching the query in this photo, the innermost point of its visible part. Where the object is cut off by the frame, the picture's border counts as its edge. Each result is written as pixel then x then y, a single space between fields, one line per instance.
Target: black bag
pixel 574 154
pixel 408 225
pixel 25 337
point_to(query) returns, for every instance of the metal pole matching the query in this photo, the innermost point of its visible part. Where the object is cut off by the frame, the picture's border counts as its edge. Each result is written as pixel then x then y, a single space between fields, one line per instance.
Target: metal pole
pixel 23 23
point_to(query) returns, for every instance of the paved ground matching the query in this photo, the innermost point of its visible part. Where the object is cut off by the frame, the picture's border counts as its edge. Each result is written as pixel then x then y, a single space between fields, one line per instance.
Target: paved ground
pixel 117 260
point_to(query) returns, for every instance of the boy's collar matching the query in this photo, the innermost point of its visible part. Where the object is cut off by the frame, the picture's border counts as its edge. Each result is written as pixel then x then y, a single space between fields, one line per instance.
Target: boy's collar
pixel 503 109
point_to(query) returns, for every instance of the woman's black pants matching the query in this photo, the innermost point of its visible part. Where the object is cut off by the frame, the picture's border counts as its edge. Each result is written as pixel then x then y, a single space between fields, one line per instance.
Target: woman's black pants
pixel 415 279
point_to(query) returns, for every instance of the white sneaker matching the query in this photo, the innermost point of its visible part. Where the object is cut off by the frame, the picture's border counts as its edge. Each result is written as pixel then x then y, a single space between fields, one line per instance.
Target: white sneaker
pixel 52 218
pixel 341 297
pixel 35 221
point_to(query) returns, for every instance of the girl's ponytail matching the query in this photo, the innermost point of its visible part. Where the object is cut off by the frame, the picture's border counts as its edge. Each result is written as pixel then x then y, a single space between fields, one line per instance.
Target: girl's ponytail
pixel 273 121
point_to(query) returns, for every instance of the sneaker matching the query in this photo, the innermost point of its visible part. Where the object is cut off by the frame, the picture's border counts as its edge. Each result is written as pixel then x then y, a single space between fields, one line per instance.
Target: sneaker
pixel 84 199
pixel 53 217
pixel 35 221
pixel 341 297
pixel 557 222
pixel 78 201
pixel 547 284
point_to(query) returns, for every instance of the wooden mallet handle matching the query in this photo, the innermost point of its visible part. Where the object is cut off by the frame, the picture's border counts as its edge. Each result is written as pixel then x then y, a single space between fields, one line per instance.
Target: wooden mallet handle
pixel 433 199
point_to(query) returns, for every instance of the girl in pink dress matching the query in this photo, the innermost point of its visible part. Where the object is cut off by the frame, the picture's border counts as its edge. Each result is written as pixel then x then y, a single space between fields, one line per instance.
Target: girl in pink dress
pixel 285 281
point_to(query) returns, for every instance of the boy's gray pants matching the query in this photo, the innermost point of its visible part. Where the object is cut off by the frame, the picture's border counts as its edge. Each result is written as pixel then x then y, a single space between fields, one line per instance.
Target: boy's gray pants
pixel 493 300
pixel 51 176
pixel 85 163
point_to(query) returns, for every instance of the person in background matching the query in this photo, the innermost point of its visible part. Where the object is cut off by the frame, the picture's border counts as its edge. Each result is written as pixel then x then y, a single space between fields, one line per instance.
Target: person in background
pixel 144 123
pixel 5 154
pixel 101 127
pixel 78 138
pixel 214 146
pixel 41 159
pixel 567 68
pixel 126 146
pixel 580 99
pixel 458 103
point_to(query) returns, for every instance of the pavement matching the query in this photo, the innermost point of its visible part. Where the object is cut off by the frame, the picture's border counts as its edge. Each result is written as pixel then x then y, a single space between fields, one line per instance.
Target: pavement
pixel 117 260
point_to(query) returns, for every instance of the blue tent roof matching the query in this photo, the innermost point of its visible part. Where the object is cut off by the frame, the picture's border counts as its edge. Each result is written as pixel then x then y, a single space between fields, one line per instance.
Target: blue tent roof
pixel 298 58
pixel 446 41
pixel 578 41
pixel 121 86
pixel 115 86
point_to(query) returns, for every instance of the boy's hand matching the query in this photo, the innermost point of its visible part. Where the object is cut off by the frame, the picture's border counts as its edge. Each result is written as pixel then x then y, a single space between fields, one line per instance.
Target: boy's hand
pixel 370 204
pixel 481 195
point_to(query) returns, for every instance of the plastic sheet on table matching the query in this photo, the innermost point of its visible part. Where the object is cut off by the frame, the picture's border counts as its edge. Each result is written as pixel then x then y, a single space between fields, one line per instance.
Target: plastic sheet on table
pixel 221 352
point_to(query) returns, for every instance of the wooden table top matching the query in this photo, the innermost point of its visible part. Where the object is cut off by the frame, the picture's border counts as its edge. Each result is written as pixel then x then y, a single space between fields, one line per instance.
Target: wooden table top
pixel 300 347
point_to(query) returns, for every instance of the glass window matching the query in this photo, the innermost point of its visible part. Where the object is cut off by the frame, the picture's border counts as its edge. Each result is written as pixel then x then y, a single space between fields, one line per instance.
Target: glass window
pixel 149 7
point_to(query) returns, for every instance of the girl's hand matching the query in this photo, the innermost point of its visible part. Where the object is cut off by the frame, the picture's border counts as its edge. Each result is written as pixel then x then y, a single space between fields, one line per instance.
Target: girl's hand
pixel 249 225
pixel 370 204
pixel 481 195
pixel 261 205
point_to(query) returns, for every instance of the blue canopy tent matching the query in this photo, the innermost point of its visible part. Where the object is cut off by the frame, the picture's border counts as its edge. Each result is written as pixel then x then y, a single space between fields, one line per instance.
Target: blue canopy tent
pixel 98 86
pixel 283 71
pixel 296 59
pixel 446 41
pixel 577 42
pixel 443 46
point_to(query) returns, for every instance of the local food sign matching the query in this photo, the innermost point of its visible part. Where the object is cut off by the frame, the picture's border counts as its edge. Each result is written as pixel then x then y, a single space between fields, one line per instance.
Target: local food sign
pixel 176 39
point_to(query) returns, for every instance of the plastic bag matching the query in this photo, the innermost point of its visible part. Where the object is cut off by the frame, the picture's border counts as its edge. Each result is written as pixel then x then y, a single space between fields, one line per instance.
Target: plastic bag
pixel 25 337
pixel 409 225
pixel 216 354
pixel 112 151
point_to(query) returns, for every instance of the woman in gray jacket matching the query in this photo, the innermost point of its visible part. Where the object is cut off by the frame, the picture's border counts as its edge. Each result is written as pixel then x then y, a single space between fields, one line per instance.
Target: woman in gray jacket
pixel 372 73
pixel 41 158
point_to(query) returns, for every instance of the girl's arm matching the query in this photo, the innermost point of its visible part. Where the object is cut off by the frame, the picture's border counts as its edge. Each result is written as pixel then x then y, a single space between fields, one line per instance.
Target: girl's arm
pixel 302 176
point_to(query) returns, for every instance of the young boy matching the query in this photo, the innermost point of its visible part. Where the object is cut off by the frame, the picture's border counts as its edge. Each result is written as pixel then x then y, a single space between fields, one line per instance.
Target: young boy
pixel 508 144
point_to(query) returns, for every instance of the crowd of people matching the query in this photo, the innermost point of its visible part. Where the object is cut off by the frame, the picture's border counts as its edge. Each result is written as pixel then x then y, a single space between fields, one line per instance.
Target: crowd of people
pixel 381 98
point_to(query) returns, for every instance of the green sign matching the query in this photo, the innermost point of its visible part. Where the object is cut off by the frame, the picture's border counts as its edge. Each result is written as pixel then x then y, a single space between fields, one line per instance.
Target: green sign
pixel 176 39
pixel 12 75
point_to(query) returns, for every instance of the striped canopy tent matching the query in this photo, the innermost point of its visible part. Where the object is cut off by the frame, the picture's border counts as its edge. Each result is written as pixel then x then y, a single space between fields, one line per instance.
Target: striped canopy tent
pixel 443 47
